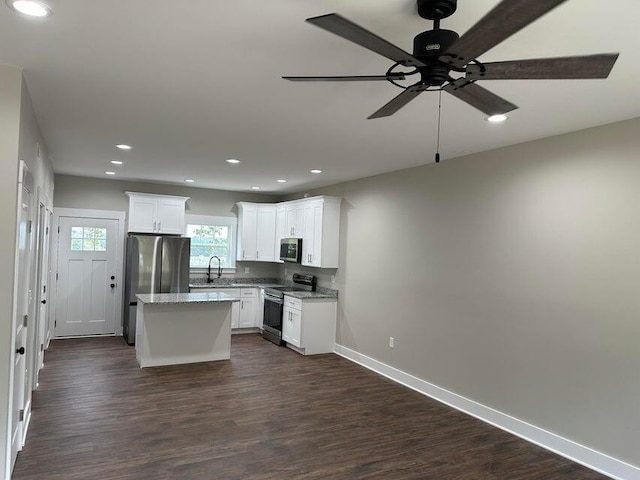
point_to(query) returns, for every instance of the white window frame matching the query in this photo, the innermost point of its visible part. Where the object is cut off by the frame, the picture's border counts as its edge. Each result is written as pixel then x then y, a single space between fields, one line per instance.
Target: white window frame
pixel 231 222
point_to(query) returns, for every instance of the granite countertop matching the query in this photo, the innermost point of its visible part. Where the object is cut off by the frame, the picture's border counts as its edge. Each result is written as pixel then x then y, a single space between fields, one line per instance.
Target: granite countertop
pixel 264 283
pixel 234 285
pixel 178 298
pixel 311 295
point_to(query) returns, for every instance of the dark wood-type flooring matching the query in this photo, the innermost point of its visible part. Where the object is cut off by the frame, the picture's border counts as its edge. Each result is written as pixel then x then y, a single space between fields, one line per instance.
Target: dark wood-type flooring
pixel 269 413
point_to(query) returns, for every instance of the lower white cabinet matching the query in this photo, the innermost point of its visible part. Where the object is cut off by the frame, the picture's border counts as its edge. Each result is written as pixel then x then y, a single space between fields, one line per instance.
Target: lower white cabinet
pixel 260 312
pixel 309 326
pixel 248 307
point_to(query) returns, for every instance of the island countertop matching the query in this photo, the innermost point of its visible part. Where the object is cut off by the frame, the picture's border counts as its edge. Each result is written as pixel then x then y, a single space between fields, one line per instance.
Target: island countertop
pixel 194 297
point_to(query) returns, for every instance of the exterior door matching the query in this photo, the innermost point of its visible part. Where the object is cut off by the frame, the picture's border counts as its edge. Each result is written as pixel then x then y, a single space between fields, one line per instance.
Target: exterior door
pixel 87 282
pixel 20 333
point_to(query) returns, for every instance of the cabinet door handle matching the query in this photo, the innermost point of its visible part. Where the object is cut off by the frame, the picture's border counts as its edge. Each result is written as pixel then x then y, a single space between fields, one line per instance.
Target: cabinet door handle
pixel 257 254
pixel 243 255
pixel 159 226
pixel 154 226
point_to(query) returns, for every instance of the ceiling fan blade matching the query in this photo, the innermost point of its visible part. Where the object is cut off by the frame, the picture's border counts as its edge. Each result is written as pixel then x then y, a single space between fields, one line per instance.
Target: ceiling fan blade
pixel 479 97
pixel 398 102
pixel 590 66
pixel 508 17
pixel 356 78
pixel 344 28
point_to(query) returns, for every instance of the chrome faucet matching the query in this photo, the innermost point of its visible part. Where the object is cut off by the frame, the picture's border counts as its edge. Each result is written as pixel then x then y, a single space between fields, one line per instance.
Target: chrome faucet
pixel 209 280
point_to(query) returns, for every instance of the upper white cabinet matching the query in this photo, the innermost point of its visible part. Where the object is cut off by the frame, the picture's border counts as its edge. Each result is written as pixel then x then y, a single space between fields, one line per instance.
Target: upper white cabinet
pixel 256 232
pixel 281 230
pixel 150 213
pixel 315 220
pixel 321 232
pixel 294 221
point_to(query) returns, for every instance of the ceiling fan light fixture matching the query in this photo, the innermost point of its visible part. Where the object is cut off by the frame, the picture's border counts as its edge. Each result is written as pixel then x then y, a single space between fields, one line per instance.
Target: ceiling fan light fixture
pixel 31 8
pixel 497 118
pixel 123 146
pixel 233 161
pixel 315 171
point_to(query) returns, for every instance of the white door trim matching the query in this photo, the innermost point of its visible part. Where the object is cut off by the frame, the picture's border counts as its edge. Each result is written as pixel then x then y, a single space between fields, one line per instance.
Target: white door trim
pixel 58 213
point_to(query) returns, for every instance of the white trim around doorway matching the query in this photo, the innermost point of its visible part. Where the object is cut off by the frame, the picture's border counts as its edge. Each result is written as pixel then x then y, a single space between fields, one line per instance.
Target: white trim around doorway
pixel 58 213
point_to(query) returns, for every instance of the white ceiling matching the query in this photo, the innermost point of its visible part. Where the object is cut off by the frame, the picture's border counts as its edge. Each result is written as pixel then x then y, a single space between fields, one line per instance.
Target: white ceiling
pixel 190 84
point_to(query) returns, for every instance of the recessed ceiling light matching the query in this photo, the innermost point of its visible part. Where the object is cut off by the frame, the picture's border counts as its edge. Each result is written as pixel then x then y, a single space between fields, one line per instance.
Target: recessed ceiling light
pixel 189 180
pixel 233 161
pixel 255 188
pixel 116 162
pixel 30 7
pixel 315 171
pixel 281 181
pixel 497 118
pixel 122 146
pixel 110 173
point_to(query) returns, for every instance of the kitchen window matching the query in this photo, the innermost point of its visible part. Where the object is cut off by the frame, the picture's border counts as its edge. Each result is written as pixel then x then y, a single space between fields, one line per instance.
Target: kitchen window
pixel 212 236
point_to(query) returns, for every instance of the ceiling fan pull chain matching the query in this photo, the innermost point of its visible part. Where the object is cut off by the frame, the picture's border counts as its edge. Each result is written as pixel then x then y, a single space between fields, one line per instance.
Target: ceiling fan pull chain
pixel 439 118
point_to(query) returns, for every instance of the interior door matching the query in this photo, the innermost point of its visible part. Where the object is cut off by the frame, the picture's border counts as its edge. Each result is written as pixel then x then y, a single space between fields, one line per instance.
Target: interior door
pixel 43 307
pixel 87 282
pixel 20 333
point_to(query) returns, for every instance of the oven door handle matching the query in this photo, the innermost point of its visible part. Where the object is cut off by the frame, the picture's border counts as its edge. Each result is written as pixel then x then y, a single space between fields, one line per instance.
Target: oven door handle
pixel 277 300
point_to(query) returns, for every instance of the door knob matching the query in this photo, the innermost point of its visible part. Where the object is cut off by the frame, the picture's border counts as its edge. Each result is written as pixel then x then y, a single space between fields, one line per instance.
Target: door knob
pixel 20 350
pixel 44 302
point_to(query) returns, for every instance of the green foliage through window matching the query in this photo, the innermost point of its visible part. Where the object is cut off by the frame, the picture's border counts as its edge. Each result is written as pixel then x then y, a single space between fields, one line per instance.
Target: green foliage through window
pixel 209 240
pixel 88 239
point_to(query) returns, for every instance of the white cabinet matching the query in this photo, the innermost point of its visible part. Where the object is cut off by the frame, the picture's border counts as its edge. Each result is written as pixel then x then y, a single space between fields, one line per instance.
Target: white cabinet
pixel 156 213
pixel 316 220
pixel 266 233
pixel 256 232
pixel 260 312
pixel 321 232
pixel 248 307
pixel 292 326
pixel 309 326
pixel 294 212
pixel 281 230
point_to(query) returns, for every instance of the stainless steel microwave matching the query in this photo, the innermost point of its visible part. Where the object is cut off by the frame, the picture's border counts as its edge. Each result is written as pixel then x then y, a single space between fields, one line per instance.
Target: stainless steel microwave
pixel 291 250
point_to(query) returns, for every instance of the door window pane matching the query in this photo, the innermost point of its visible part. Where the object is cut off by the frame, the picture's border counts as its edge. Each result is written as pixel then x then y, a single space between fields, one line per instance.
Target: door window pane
pixel 88 239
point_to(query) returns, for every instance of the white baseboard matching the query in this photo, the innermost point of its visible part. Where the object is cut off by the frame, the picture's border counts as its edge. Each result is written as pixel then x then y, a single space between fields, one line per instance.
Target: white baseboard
pixel 586 456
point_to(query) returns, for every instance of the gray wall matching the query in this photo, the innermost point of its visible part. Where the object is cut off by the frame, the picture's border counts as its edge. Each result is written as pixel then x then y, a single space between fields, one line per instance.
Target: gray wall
pixel 510 277
pixel 19 137
pixel 108 194
pixel 10 86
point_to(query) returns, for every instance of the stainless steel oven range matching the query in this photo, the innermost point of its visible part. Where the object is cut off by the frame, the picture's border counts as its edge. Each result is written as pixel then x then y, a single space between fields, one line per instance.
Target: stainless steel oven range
pixel 274 301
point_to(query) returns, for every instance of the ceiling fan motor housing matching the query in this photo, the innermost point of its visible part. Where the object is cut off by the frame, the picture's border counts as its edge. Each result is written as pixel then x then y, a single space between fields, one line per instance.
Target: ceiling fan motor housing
pixel 427 47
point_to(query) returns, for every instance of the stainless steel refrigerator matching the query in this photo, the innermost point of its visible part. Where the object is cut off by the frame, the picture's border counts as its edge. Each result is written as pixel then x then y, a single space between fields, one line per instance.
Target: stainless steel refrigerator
pixel 154 264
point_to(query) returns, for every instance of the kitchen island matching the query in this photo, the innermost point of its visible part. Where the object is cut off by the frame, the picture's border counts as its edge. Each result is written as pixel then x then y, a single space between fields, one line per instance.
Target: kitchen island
pixel 176 328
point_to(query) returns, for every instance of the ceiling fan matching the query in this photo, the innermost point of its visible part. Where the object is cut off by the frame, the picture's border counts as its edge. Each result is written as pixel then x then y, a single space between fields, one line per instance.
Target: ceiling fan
pixel 438 53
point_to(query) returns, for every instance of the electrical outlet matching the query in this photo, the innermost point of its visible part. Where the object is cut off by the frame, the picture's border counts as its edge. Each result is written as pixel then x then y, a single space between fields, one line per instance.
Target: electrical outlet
pixel 333 279
pixel 247 269
pixel 391 342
